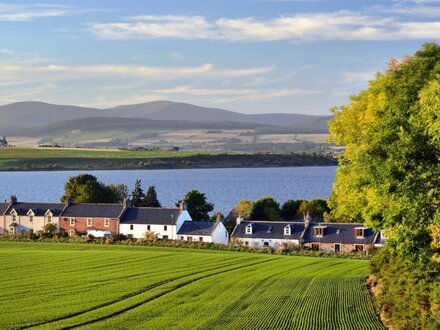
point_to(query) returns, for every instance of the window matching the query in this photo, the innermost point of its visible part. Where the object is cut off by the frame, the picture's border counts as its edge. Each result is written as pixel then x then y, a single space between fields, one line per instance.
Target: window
pixel 181 238
pixel 72 221
pixel 131 227
pixel 318 231
pixel 165 228
pixel 89 222
pixel 190 239
pixel 71 232
pixel 148 227
pixel 266 243
pixel 315 247
pixel 249 229
pixel 106 222
pixel 200 239
pixel 337 248
pixel 31 218
pixel 287 230
pixel 359 232
pixel 246 243
pixel 165 237
pixel 14 218
pixel 49 219
pixel 358 247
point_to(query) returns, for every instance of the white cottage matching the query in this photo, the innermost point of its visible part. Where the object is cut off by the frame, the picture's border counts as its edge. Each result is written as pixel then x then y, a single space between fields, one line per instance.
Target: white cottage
pixel 268 233
pixel 204 231
pixel 163 222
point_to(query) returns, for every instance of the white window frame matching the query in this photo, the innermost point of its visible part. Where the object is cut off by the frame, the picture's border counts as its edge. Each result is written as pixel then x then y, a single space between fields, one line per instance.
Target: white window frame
pixel 106 222
pixel 287 230
pixel 89 222
pixel 249 229
pixel 72 232
pixel 72 222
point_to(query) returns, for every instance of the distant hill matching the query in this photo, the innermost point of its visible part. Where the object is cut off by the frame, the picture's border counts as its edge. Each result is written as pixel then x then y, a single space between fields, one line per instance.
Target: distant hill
pixel 39 114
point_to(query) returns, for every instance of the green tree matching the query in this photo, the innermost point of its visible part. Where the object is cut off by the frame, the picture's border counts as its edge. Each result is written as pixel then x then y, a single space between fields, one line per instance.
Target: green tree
pixel 137 195
pixel 151 199
pixel 197 205
pixel 217 215
pixel 317 208
pixel 85 188
pixel 290 209
pixel 244 208
pixel 265 208
pixel 389 174
pixel 303 208
pixel 119 192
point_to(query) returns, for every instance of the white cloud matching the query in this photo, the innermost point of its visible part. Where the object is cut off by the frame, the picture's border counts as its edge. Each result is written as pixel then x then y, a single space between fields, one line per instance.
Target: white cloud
pixel 340 25
pixel 219 96
pixel 358 76
pixel 31 12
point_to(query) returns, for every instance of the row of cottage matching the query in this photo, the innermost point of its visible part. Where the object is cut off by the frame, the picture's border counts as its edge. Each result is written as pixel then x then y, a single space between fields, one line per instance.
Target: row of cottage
pixel 102 220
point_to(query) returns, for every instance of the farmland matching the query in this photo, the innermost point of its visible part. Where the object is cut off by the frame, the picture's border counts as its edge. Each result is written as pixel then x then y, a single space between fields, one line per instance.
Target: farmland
pixel 49 285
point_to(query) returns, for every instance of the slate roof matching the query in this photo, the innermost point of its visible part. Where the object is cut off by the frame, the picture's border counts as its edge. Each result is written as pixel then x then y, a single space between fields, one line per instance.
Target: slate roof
pixel 89 210
pixel 197 228
pixel 151 216
pixel 3 208
pixel 260 229
pixel 40 209
pixel 339 233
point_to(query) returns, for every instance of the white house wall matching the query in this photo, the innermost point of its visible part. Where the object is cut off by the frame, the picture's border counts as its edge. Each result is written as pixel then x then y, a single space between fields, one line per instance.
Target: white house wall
pixel 259 242
pixel 220 234
pixel 140 230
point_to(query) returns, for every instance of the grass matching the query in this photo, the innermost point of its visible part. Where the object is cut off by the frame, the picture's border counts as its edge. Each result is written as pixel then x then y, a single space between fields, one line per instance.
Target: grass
pixel 54 286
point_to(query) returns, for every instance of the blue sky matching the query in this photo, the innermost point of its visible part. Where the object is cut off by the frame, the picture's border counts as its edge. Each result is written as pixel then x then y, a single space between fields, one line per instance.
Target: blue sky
pixel 251 56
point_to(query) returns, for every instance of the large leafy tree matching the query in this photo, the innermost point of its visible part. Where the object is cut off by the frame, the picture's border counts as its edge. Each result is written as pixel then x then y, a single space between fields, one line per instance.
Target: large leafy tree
pixel 265 208
pixel 197 205
pixel 389 174
pixel 244 208
pixel 151 199
pixel 317 208
pixel 290 209
pixel 85 188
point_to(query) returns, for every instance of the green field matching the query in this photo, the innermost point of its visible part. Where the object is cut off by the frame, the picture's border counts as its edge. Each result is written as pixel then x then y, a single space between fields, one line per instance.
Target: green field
pixel 55 286
pixel 36 153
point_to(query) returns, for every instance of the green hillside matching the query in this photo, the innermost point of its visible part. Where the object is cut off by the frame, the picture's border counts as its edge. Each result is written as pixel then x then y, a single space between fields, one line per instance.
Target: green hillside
pixel 54 286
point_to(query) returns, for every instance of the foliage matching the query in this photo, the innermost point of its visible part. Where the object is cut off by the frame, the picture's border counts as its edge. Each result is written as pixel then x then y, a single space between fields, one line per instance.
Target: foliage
pixel 151 199
pixel 290 209
pixel 197 205
pixel 389 174
pixel 408 295
pixel 317 208
pixel 303 208
pixel 85 188
pixel 50 229
pixel 120 191
pixel 265 208
pixel 137 195
pixel 195 287
pixel 244 208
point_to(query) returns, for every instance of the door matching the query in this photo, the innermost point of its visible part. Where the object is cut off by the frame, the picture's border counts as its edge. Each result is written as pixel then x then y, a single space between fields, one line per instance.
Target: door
pixel 337 248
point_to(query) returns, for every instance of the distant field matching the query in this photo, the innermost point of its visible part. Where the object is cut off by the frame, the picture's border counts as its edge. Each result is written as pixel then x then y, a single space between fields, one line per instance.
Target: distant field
pixel 23 153
pixel 55 286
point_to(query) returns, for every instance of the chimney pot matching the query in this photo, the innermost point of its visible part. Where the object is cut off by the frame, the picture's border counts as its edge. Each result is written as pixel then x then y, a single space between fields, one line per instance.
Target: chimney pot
pixel 13 199
pixel 239 220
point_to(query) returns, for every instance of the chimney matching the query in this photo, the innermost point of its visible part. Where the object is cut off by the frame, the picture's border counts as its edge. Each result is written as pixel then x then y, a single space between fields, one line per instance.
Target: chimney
pixel 68 202
pixel 239 220
pixel 12 200
pixel 126 203
pixel 182 206
pixel 307 219
pixel 218 219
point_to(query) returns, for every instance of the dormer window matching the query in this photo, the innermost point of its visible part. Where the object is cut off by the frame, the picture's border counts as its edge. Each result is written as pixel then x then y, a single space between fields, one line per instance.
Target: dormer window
pixel 287 230
pixel 359 232
pixel 49 219
pixel 14 215
pixel 31 218
pixel 249 229
pixel 318 231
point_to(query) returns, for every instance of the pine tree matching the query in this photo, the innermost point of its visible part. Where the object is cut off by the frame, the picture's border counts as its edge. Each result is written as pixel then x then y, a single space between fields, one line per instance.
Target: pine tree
pixel 137 195
pixel 151 199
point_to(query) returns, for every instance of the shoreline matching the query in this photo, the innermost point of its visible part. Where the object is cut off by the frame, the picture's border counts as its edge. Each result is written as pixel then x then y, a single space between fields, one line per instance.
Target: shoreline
pixel 164 163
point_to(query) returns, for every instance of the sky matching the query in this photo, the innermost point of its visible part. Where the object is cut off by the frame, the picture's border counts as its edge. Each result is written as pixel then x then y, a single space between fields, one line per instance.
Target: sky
pixel 250 56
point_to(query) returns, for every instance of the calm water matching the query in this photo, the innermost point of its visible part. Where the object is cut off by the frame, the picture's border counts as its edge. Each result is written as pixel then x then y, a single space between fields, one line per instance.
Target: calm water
pixel 223 187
